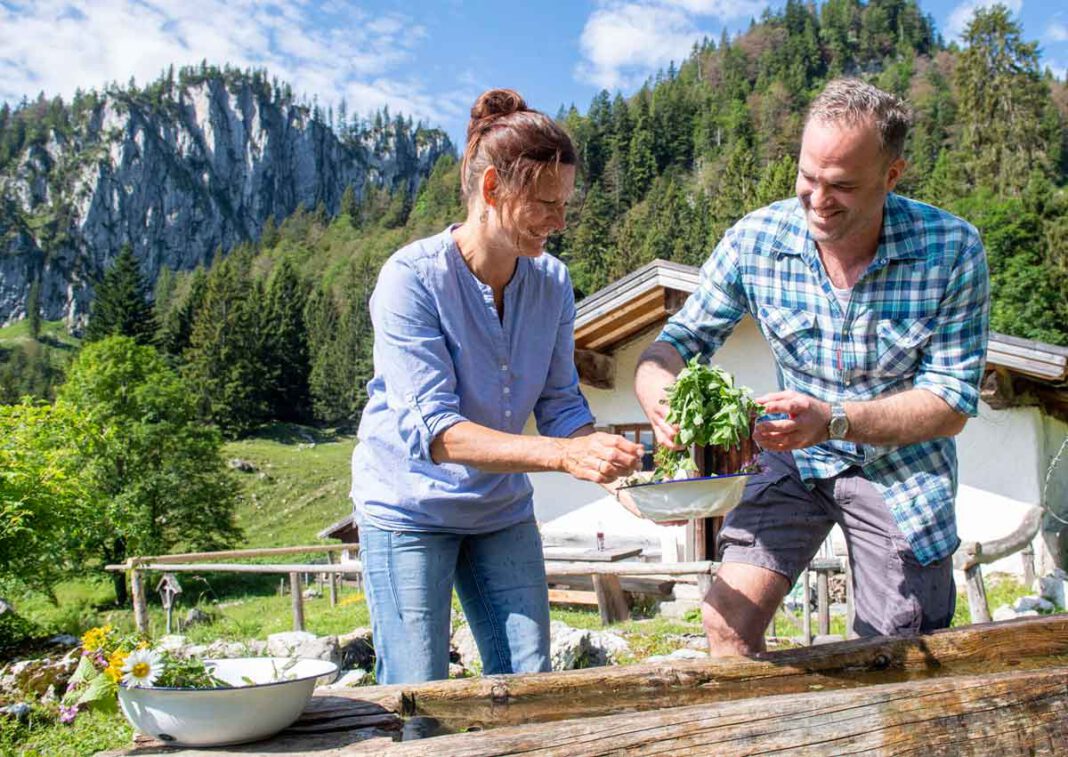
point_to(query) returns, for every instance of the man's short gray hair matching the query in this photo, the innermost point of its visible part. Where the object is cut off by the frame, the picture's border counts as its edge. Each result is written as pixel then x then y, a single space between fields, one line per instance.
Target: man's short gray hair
pixel 852 102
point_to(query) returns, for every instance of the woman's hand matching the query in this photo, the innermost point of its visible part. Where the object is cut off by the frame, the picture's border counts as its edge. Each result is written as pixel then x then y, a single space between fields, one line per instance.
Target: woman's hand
pixel 600 457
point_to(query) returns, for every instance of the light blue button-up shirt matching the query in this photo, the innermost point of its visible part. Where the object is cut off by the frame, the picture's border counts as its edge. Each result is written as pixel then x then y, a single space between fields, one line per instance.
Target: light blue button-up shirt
pixel 918 317
pixel 442 356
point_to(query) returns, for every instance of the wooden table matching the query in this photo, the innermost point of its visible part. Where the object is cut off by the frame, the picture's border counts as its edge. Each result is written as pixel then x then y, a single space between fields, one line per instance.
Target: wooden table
pixel 611 601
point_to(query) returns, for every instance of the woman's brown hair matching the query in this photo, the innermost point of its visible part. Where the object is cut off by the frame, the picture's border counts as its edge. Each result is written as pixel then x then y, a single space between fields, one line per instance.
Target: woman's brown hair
pixel 517 141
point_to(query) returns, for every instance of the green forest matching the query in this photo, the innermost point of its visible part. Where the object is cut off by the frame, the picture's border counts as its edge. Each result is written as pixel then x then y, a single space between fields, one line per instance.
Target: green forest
pixel 277 329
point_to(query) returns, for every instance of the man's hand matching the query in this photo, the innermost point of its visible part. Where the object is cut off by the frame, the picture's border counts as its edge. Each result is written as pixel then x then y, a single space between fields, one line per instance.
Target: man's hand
pixel 804 426
pixel 657 369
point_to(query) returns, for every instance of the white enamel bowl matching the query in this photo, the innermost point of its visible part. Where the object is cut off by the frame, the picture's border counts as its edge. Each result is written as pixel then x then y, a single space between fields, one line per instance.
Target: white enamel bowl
pixel 688 498
pixel 215 717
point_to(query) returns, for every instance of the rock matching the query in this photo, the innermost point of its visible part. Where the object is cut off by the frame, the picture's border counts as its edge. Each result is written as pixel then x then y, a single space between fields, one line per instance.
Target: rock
pixel 1054 588
pixel 463 641
pixel 678 654
pixel 357 649
pixel 240 464
pixel 311 593
pixel 64 640
pixel 457 671
pixel 33 678
pixel 355 677
pixel 1023 604
pixel 172 642
pixel 196 617
pixel 1005 612
pixel 6 607
pixel 305 645
pixel 257 648
pixel 607 648
pixel 20 711
pixel 570 647
pixel 223 650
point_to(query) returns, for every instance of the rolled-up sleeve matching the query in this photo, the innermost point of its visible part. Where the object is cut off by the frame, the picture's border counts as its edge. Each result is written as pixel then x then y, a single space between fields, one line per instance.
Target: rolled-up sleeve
pixel 561 410
pixel 710 314
pixel 413 359
pixel 952 364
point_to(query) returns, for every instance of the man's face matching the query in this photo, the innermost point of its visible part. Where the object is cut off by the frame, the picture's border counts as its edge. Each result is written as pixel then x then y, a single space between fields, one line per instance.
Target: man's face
pixel 843 178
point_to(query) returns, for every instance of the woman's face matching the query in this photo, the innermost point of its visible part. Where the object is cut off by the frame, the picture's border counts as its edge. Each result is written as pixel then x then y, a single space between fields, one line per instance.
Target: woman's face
pixel 531 217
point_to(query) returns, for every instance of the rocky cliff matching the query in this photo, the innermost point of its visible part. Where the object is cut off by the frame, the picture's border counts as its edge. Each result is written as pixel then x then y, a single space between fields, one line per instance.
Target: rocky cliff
pixel 178 172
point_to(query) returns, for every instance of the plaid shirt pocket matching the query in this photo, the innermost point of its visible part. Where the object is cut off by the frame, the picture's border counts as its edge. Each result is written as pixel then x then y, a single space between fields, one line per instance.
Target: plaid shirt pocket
pixel 792 334
pixel 899 345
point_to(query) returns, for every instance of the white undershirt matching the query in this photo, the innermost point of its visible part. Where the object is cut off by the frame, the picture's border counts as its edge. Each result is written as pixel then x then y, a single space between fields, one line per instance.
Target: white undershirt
pixel 843 296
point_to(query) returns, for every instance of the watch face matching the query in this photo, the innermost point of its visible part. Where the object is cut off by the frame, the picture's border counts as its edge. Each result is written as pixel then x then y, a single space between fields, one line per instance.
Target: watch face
pixel 838 426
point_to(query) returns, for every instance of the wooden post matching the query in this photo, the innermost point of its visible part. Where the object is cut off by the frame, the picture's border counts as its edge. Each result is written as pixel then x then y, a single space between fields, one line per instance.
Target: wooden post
pixel 298 601
pixel 704 584
pixel 973 579
pixel 823 603
pixel 1028 556
pixel 137 589
pixel 333 582
pixel 806 612
pixel 610 599
pixel 851 610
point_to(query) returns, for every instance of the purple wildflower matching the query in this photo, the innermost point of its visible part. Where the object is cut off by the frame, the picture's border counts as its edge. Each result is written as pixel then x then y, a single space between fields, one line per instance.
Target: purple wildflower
pixel 67 714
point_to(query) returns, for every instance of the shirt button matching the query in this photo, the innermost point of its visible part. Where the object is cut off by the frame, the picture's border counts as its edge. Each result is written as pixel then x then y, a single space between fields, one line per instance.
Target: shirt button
pixel 507 413
pixel 504 366
pixel 507 390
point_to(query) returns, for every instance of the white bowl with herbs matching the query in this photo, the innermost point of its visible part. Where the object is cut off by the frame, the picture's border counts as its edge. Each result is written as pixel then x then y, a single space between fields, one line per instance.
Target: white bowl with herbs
pixel 710 411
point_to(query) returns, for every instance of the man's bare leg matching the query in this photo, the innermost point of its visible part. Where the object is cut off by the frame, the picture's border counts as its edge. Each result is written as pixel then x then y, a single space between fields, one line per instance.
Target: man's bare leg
pixel 739 606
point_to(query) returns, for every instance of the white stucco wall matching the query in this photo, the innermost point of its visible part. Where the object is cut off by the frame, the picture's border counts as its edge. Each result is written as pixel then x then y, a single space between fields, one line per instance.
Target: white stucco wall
pixel 1003 454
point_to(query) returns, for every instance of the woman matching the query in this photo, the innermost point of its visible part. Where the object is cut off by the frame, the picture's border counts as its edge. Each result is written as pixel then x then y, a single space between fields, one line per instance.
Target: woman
pixel 473 332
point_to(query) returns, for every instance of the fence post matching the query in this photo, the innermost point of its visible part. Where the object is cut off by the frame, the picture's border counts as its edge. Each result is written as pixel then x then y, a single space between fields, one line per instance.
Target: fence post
pixel 806 614
pixel 137 589
pixel 298 601
pixel 333 580
pixel 973 579
pixel 851 610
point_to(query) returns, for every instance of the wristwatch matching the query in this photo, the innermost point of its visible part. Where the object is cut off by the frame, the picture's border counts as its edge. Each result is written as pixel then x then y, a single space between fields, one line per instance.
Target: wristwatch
pixel 839 424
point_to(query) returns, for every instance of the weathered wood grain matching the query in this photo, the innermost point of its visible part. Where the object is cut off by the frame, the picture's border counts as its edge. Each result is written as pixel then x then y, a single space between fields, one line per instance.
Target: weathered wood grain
pixel 1002 714
pixel 494 701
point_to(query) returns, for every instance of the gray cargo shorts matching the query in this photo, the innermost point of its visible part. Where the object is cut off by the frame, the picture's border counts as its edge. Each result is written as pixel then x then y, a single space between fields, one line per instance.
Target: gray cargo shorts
pixel 781 523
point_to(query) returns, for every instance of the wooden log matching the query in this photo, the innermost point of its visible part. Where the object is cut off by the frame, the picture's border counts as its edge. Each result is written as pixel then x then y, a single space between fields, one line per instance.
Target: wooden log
pixel 504 700
pixel 140 606
pixel 611 602
pixel 977 604
pixel 558 568
pixel 570 597
pixel 1000 714
pixel 298 601
pixel 347 567
pixel 232 553
pixel 652 585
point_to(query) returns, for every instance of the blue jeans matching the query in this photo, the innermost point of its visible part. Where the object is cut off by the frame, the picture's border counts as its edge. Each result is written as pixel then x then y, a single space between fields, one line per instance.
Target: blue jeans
pixel 500 577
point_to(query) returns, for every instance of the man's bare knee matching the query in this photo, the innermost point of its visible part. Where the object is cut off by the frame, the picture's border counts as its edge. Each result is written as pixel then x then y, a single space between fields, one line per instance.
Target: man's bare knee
pixel 739 607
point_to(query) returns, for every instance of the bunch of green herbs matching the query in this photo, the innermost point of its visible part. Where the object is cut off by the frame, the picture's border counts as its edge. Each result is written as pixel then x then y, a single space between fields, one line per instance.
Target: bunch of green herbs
pixel 710 411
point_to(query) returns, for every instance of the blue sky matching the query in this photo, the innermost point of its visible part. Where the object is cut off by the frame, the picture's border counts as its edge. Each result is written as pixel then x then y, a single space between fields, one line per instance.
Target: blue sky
pixel 427 58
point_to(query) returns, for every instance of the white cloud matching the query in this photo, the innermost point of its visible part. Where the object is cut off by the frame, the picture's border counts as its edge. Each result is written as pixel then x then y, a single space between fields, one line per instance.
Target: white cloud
pixel 331 49
pixel 1056 32
pixel 962 14
pixel 623 43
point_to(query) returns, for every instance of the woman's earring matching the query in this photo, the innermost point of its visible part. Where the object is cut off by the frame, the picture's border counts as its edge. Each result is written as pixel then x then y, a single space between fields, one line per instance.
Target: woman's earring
pixel 484 216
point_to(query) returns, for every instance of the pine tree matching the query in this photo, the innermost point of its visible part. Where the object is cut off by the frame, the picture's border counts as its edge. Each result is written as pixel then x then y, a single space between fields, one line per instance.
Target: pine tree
pixel 640 159
pixel 120 307
pixel 224 360
pixel 591 245
pixel 350 208
pixel 286 350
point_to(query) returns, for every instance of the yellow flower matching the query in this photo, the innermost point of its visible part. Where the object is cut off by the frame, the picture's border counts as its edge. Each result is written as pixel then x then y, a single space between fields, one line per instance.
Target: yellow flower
pixel 94 638
pixel 115 664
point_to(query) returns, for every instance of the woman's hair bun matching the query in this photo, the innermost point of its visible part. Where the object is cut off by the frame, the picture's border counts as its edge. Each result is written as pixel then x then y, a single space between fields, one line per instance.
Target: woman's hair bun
pixel 494 103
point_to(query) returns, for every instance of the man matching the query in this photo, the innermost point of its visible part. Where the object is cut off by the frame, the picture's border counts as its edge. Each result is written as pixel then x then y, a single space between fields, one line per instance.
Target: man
pixel 876 309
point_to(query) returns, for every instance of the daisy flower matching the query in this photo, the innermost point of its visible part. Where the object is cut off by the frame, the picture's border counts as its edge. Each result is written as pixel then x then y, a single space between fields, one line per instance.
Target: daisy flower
pixel 142 668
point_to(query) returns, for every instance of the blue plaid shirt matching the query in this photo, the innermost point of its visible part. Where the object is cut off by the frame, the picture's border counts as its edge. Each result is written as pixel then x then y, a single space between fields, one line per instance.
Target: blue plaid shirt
pixel 918 317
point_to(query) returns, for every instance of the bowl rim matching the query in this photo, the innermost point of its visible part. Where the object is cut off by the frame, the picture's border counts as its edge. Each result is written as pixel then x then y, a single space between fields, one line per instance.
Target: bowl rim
pixel 191 690
pixel 684 480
